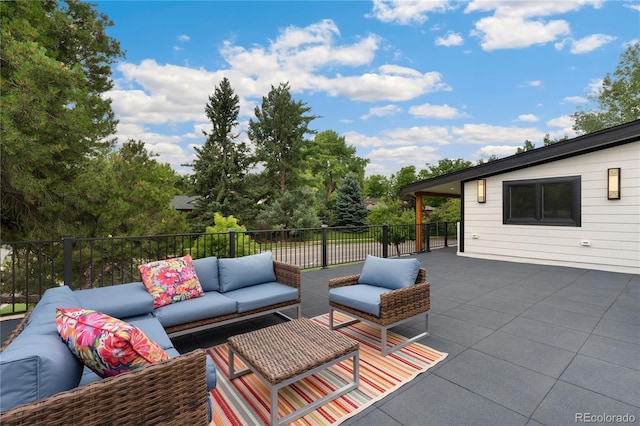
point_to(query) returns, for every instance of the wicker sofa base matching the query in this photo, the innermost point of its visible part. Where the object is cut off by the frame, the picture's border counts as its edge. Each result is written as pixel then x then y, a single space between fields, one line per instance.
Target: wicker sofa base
pixel 172 392
pixel 384 328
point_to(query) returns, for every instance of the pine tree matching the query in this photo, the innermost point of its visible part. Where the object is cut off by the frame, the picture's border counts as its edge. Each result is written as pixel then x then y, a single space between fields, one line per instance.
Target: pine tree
pixel 221 163
pixel 279 135
pixel 350 209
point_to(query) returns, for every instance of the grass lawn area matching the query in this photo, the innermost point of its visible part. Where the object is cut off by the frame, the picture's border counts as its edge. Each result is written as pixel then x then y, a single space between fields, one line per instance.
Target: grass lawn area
pixel 13 309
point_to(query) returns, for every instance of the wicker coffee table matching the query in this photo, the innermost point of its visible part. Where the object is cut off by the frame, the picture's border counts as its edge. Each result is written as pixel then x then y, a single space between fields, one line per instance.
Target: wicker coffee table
pixel 285 353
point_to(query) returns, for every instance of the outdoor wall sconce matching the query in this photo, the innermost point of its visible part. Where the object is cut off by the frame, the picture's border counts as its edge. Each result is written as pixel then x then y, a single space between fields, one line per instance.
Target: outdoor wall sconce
pixel 482 190
pixel 613 185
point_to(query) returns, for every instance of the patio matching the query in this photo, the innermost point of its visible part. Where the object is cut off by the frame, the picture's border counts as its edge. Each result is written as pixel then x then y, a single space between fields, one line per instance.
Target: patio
pixel 528 345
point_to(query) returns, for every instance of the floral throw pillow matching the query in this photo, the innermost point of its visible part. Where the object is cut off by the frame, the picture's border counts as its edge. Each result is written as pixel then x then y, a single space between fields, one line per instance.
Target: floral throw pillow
pixel 171 280
pixel 105 344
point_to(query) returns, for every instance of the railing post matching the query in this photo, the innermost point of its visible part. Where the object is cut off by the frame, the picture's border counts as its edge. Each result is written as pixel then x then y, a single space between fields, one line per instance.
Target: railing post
pixel 67 262
pixel 446 234
pixel 232 242
pixel 385 240
pixel 428 234
pixel 325 235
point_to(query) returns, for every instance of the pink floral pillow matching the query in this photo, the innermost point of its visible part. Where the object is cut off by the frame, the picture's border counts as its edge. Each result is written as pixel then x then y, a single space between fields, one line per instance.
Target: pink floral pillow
pixel 171 280
pixel 106 344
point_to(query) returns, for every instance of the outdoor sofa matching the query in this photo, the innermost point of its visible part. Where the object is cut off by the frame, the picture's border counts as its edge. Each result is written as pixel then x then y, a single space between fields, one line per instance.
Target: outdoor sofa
pixel 44 383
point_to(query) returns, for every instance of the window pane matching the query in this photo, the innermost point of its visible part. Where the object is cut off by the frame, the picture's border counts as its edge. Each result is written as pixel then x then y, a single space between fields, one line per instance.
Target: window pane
pixel 523 201
pixel 557 200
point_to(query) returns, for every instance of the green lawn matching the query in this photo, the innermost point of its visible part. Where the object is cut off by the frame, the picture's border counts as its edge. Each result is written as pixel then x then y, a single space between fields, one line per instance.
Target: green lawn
pixel 13 309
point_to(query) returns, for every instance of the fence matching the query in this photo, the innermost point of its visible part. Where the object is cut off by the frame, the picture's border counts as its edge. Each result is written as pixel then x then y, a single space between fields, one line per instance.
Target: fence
pixel 31 267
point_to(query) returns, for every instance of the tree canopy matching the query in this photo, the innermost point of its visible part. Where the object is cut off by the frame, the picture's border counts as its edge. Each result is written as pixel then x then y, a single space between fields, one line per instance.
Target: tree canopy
pixel 55 66
pixel 330 159
pixel 618 99
pixel 278 132
pixel 222 162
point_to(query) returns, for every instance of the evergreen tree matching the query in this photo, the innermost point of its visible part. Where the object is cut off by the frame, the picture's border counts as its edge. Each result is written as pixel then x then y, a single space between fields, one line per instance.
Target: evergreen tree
pixel 278 133
pixel 350 209
pixel 55 65
pixel 221 163
pixel 291 210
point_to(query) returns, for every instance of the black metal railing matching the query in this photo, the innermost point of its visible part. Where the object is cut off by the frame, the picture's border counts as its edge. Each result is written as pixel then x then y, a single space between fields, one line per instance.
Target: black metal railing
pixel 29 268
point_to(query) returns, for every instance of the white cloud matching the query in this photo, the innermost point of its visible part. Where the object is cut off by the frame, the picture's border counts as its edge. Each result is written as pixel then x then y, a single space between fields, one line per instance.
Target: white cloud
pixel 418 135
pixel 384 111
pixel 586 44
pixel 441 112
pixel 575 99
pixel 530 8
pixel 595 86
pixel 634 6
pixel 531 118
pixel 533 83
pixel 485 134
pixel 515 33
pixel 450 39
pixel 386 161
pixel 517 24
pixel 406 12
pixel 565 127
pixel 388 84
pixel 497 150
pixel 184 38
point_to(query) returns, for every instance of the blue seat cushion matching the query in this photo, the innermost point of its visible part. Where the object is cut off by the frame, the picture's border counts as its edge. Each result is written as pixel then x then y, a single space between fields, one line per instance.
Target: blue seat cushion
pixel 35 367
pixel 261 295
pixel 245 271
pixel 389 273
pixel 119 301
pixel 207 272
pixel 362 297
pixel 211 304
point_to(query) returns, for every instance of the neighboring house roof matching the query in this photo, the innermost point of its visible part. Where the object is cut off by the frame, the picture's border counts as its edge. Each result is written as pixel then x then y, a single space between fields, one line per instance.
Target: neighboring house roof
pixel 183 202
pixel 449 185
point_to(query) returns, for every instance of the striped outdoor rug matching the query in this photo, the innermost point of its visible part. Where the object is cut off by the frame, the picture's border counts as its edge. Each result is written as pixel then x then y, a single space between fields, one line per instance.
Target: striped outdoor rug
pixel 245 400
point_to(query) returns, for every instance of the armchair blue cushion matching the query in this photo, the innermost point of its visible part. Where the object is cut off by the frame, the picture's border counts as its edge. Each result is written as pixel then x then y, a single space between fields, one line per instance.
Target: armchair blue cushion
pixel 389 273
pixel 246 271
pixel 362 297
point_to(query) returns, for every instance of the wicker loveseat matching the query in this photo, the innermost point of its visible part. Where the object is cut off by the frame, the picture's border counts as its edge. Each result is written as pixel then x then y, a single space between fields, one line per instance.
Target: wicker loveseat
pixel 42 383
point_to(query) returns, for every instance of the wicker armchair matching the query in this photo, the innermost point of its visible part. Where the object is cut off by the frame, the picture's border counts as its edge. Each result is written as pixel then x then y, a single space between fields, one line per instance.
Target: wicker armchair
pixel 396 307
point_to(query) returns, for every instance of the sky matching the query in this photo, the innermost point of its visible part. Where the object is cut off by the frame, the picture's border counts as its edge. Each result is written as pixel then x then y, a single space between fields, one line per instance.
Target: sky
pixel 405 82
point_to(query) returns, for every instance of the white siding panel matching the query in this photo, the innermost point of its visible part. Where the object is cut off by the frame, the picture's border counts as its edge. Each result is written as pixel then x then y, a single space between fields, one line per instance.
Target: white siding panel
pixel 611 226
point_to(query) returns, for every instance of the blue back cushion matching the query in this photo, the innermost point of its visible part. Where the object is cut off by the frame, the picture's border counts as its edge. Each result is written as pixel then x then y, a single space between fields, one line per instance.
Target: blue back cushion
pixel 119 301
pixel 389 273
pixel 207 272
pixel 246 271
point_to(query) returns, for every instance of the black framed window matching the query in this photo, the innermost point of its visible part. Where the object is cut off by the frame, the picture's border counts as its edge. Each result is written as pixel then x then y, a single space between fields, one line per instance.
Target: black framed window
pixel 553 201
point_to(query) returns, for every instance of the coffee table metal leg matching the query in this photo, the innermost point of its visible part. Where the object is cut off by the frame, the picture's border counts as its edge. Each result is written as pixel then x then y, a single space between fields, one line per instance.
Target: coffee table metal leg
pixel 320 402
pixel 232 373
